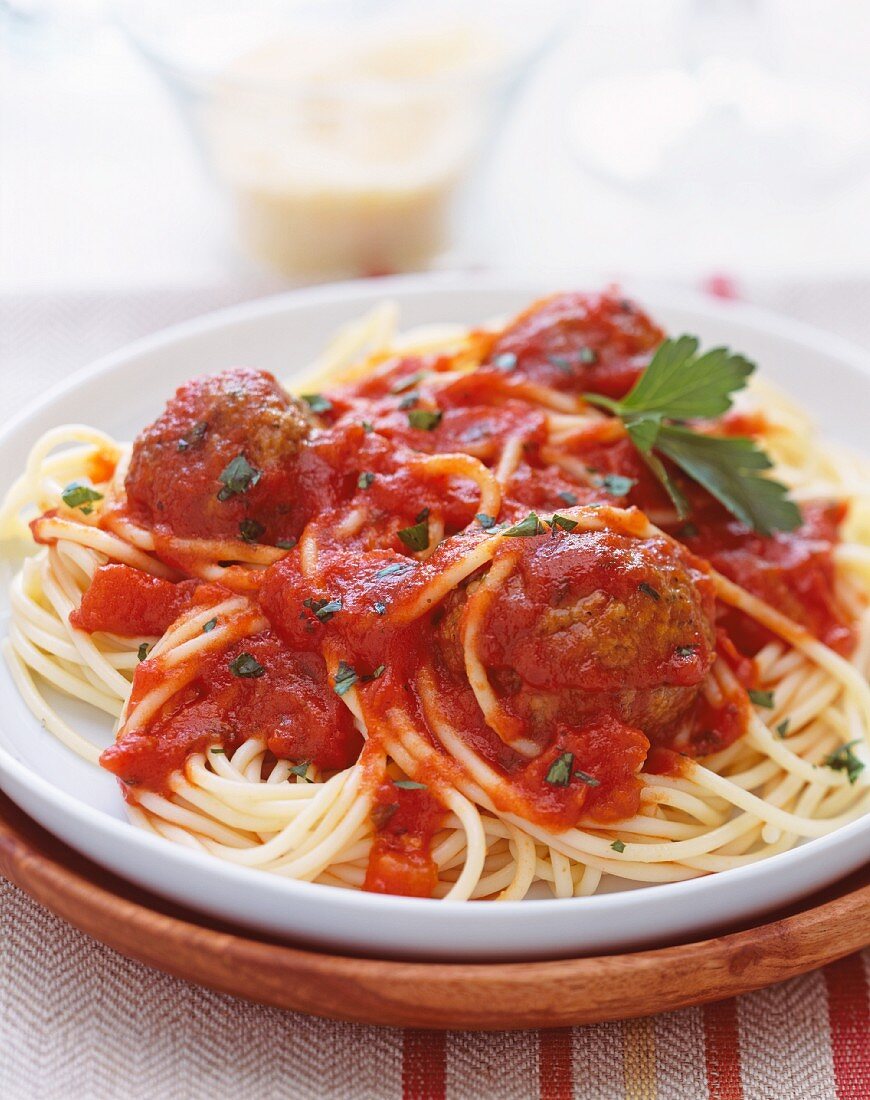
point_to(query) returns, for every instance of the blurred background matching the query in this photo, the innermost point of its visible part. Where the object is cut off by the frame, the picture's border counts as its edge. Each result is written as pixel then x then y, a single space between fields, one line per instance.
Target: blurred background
pixel 161 158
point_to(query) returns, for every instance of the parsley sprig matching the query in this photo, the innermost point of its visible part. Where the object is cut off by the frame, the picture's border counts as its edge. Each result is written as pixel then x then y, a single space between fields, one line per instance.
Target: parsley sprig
pixel 678 385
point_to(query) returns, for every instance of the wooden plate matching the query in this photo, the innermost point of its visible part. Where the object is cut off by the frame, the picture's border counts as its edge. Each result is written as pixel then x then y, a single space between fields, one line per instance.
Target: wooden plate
pixel 436 995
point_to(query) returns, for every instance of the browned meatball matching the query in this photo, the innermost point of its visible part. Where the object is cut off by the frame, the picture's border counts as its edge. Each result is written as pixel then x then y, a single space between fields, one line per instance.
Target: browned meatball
pixel 590 623
pixel 221 460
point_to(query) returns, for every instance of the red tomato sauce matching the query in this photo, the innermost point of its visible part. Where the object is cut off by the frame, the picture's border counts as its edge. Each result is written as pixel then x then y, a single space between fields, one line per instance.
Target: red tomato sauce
pixel 290 704
pixel 401 857
pixel 129 602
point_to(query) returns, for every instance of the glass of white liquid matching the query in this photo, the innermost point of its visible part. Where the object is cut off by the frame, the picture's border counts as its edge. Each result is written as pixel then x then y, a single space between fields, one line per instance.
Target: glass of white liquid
pixel 341 133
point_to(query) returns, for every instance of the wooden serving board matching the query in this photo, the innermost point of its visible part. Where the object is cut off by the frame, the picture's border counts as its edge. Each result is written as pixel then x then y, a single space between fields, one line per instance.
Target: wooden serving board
pixel 433 995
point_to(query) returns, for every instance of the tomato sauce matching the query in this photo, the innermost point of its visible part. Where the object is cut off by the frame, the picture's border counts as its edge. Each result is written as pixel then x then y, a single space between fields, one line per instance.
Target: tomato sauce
pixel 126 601
pixel 401 862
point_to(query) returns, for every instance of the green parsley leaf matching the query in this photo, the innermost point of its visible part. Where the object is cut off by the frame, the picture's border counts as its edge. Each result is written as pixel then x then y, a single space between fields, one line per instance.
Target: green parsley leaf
pixel 648 590
pixel 679 384
pixel 317 402
pixel 526 528
pixel 285 544
pixel 683 385
pixel 301 770
pixel 194 436
pixel 416 538
pixel 216 751
pixel 782 728
pixel 76 495
pixel 409 400
pixel 409 382
pixel 618 846
pixel 559 774
pixel 425 419
pixel 394 570
pixel 246 666
pixel 344 679
pixel 142 652
pixel 762 698
pixel 250 530
pixel 560 363
pixel 686 650
pixel 324 609
pixel 618 485
pixel 565 523
pixel 364 480
pixel 237 477
pixel 376 675
pixel 726 467
pixel 485 521
pixel 379 607
pixel 844 760
pixel 568 498
pixel 409 785
pixel 209 626
pixel 588 355
pixel 586 778
pixel 367 426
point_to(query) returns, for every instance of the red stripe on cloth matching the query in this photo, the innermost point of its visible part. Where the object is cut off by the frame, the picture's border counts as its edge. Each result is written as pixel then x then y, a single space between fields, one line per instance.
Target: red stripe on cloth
pixel 722 1051
pixel 555 1073
pixel 849 1017
pixel 424 1065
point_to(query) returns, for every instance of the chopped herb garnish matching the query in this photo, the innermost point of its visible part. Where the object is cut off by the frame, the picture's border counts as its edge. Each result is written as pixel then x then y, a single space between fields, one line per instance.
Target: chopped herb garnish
pixel 648 590
pixel 568 498
pixel 142 652
pixel 394 570
pixel 679 385
pixel 301 770
pixel 209 626
pixel 409 785
pixel 246 666
pixel 409 382
pixel 217 751
pixel 561 363
pixel 565 523
pixel 588 355
pixel 317 402
pixel 686 650
pixel 376 675
pixel 345 678
pixel 194 436
pixel 617 485
pixel 324 609
pixel 381 814
pixel 409 401
pixel 485 521
pixel 782 728
pixel 379 607
pixel 425 419
pixel 586 778
pixel 762 698
pixel 368 426
pixel 416 537
pixel 364 480
pixel 285 544
pixel 507 361
pixel 76 495
pixel 618 846
pixel 559 774
pixel 526 528
pixel 844 760
pixel 237 477
pixel 251 530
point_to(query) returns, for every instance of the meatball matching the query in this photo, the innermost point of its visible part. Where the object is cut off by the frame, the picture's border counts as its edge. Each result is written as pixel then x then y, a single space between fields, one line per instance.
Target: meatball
pixel 594 623
pixel 582 343
pixel 221 460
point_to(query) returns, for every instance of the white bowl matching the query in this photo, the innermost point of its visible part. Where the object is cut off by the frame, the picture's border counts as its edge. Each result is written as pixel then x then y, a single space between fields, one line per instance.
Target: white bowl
pixel 83 806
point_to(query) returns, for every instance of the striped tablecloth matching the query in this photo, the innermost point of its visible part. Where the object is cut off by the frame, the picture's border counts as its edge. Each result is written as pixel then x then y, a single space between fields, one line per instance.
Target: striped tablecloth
pixel 79 1022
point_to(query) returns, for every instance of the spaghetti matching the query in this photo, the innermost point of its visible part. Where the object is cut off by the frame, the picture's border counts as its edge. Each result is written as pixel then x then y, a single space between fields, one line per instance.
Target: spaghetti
pixel 445 628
